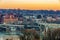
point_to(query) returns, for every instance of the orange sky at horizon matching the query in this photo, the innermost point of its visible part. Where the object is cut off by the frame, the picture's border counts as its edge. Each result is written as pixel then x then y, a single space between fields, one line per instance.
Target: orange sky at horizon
pixel 31 5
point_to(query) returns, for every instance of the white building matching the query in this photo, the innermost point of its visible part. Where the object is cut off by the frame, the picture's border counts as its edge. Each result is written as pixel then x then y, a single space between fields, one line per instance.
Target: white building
pixel 9 37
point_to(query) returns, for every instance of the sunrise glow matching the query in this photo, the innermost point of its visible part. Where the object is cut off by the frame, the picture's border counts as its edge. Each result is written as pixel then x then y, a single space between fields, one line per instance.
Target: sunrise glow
pixel 31 4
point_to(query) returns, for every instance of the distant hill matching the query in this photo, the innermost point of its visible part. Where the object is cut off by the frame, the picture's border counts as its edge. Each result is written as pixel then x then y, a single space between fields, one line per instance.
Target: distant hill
pixel 45 12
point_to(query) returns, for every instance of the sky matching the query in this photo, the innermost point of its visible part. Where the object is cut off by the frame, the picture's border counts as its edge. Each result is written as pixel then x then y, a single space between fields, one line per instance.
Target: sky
pixel 30 4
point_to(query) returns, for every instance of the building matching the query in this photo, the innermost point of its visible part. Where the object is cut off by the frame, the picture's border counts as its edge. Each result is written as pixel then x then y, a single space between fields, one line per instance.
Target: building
pixel 49 19
pixel 1 18
pixel 10 19
pixel 10 37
